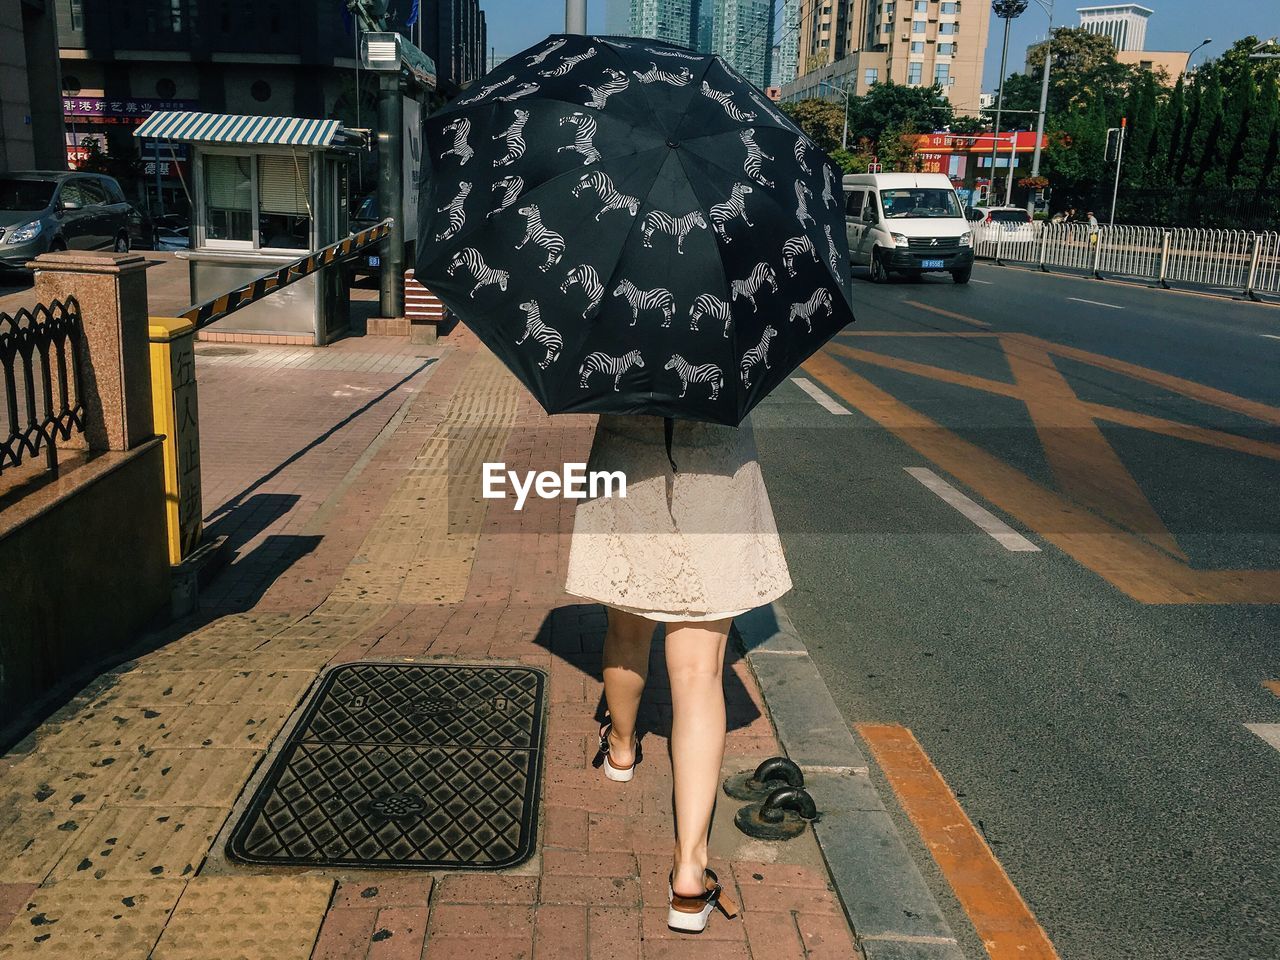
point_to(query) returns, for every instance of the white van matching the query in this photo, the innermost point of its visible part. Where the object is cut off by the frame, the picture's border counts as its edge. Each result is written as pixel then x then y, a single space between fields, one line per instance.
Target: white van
pixel 909 222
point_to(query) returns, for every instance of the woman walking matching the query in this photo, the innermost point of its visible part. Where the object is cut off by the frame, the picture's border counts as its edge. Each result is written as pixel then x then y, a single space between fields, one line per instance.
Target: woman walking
pixel 691 548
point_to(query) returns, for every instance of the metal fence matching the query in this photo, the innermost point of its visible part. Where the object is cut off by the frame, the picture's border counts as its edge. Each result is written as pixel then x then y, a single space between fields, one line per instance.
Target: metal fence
pixel 1237 260
pixel 40 380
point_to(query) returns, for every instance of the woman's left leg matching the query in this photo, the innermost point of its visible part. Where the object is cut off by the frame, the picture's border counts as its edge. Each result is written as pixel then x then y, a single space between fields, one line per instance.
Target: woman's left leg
pixel 695 662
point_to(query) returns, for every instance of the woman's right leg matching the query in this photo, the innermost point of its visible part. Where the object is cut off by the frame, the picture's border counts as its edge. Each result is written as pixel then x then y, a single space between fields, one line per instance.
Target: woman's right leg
pixel 625 669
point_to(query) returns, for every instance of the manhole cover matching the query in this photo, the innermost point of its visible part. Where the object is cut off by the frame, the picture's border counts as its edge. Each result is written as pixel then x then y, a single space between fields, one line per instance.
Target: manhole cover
pixel 222 351
pixel 396 765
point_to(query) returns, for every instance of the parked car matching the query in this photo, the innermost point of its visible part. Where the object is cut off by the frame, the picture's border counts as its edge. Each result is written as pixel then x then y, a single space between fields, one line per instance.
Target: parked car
pixel 172 238
pixel 42 211
pixel 1011 217
pixel 906 222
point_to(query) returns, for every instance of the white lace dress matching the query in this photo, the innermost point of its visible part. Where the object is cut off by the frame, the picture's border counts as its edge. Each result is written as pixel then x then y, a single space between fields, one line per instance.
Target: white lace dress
pixel 697 544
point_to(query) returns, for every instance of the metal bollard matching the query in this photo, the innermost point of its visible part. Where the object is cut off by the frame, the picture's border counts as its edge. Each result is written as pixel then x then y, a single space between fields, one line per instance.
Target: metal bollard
pixel 768 776
pixel 1254 258
pixel 1097 254
pixel 782 816
pixel 1163 279
pixel 176 414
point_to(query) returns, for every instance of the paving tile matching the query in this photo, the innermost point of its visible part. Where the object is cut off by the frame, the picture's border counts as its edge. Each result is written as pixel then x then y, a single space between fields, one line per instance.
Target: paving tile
pixel 345 934
pixel 32 841
pixel 126 843
pixel 384 892
pixel 185 777
pixel 398 934
pixel 613 933
pixel 591 891
pixel 251 725
pixel 775 936
pixel 560 932
pixel 696 947
pixel 478 948
pixel 91 921
pixel 117 727
pixel 62 779
pixel 246 918
pixel 574 863
pixel 479 920
pixel 13 900
pixel 826 936
pixel 564 827
pixel 478 888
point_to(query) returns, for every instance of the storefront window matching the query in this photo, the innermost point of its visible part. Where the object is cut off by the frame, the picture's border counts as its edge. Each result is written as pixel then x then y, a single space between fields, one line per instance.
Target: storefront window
pixel 284 212
pixel 228 192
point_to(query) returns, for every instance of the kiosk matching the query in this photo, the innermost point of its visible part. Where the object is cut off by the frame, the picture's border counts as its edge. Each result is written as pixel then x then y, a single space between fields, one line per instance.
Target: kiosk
pixel 265 191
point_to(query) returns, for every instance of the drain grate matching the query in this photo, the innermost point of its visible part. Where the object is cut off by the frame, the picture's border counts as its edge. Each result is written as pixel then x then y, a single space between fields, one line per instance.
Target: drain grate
pixel 404 764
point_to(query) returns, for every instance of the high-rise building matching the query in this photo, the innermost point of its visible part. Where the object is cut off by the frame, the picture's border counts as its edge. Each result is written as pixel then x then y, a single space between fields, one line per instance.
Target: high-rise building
pixel 1124 23
pixel 787 47
pixel 743 35
pixel 617 18
pixel 671 20
pixel 855 44
pixel 30 105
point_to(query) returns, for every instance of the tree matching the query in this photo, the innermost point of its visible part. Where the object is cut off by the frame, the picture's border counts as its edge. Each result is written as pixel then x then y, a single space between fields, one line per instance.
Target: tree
pixel 822 120
pixel 1237 114
pixel 1206 139
pixel 893 106
pixel 1140 111
pixel 1261 133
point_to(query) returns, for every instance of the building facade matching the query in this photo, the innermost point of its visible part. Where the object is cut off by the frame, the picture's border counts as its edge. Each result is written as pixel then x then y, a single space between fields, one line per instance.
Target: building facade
pixel 123 60
pixel 743 34
pixel 30 87
pixel 787 48
pixel 1124 23
pixel 859 43
pixel 674 21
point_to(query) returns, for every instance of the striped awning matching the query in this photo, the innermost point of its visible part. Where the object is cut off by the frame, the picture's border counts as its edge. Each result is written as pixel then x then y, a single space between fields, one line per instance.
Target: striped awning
pixel 190 127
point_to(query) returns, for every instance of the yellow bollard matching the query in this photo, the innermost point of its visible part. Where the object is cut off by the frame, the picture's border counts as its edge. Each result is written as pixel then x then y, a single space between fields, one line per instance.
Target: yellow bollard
pixel 177 417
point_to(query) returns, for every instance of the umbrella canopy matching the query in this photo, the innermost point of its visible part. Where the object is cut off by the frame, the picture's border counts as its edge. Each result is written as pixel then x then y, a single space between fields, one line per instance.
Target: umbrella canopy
pixel 633 228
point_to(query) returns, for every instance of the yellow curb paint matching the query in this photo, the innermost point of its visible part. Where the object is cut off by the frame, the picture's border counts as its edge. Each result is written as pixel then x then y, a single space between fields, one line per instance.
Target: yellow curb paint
pixel 1008 928
pixel 946 313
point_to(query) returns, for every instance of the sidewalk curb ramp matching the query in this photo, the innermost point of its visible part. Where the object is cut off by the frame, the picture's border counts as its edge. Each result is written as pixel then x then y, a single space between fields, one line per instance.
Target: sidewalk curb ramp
pixel 885 897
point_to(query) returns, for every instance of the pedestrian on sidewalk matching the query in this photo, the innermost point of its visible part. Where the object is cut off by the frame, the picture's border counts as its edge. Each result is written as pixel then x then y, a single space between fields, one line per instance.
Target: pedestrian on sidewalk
pixel 690 548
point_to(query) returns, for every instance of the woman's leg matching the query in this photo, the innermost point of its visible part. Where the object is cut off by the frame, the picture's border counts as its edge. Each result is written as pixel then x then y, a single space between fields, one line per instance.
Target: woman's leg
pixel 695 662
pixel 625 669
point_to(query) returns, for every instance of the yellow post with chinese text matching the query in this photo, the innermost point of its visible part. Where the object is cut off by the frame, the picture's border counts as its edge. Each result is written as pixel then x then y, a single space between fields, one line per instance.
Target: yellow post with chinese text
pixel 177 418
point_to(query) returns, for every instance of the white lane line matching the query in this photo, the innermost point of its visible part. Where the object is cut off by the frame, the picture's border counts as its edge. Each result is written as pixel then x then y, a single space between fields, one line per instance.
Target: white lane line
pixel 1271 336
pixel 813 390
pixel 1095 303
pixel 1269 732
pixel 986 521
pixel 976 280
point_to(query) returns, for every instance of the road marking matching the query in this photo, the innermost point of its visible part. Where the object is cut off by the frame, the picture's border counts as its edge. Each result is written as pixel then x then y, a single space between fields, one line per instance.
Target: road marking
pixel 983 519
pixel 1270 732
pixel 976 280
pixel 1001 918
pixel 1124 558
pixel 946 313
pixel 1095 303
pixel 825 401
pixel 1271 336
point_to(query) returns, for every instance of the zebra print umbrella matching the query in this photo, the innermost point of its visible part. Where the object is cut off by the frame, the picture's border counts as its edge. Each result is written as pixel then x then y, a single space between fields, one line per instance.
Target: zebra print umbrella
pixel 633 228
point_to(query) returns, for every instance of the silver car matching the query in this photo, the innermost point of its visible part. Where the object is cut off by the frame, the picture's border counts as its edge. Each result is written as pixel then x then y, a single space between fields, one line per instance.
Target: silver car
pixel 42 211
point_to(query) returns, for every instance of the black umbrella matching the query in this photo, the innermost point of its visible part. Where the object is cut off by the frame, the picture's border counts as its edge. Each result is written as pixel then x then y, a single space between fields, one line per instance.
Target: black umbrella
pixel 633 228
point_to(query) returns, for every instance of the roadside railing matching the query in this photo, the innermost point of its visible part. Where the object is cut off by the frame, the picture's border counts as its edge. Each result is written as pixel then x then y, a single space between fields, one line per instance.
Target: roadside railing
pixel 40 379
pixel 1236 260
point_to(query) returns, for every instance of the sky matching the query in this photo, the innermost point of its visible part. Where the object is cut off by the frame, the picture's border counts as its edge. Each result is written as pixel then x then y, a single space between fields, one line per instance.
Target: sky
pixel 1175 25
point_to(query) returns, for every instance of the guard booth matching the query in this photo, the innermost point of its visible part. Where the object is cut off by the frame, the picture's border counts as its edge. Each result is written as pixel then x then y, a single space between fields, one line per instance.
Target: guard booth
pixel 264 192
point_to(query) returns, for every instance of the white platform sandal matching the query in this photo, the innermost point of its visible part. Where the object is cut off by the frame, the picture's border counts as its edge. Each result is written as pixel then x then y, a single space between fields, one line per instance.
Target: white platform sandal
pixel 617 772
pixel 690 914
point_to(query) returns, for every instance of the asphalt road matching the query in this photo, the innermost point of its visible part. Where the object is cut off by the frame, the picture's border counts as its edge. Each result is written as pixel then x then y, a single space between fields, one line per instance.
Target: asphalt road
pixel 1086 701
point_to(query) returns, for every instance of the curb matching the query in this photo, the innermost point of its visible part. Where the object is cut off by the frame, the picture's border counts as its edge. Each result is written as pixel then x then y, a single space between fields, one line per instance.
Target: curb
pixel 890 907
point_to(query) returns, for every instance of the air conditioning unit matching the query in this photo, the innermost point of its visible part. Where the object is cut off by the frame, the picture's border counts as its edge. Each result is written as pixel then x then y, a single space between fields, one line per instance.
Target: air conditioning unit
pixel 951 81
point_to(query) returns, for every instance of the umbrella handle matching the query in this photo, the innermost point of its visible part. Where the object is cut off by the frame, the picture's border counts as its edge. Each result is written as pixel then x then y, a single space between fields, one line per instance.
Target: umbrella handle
pixel 668 431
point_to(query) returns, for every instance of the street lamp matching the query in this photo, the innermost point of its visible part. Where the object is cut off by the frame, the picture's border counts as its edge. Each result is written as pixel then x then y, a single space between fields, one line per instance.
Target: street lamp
pixel 844 137
pixel 1203 43
pixel 1044 98
pixel 1007 10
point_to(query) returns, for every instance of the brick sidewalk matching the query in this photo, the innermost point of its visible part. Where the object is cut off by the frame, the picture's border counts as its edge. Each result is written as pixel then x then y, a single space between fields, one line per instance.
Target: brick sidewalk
pixel 114 814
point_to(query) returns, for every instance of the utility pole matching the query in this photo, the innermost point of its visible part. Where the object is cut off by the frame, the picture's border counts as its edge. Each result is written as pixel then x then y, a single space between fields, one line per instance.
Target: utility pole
pixel 1044 103
pixel 1007 10
pixel 575 16
pixel 1115 193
